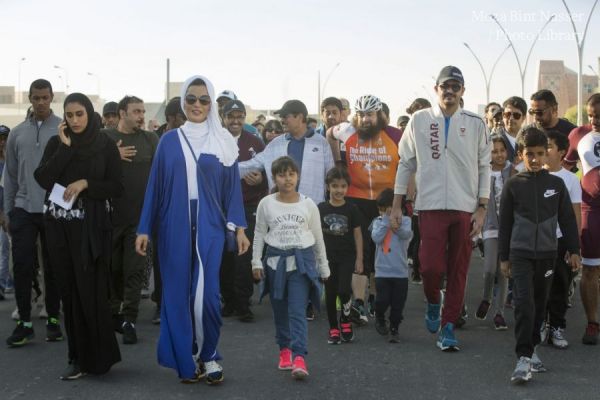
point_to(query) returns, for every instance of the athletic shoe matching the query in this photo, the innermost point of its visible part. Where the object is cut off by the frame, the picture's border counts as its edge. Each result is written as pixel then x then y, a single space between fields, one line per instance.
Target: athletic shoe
pixel 500 322
pixel 482 310
pixel 544 332
pixel 432 317
pixel 381 327
pixel 416 277
pixel 310 312
pixel 299 370
pixel 522 372
pixel 446 339
pixel 334 336
pixel 591 333
pixel 285 359
pixel 21 335
pixel 53 332
pixel 462 319
pixel 371 306
pixel 394 336
pixel 129 334
pixel 214 373
pixel 347 331
pixel 536 364
pixel 557 338
pixel 156 316
pixel 72 372
pixel 358 314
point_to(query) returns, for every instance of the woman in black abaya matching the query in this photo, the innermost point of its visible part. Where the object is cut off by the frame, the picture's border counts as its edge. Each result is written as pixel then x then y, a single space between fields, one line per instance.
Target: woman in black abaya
pixel 86 163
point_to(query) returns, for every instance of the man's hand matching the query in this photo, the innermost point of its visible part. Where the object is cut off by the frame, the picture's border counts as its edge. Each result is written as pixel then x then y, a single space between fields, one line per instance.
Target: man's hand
pixel 253 178
pixel 396 213
pixel 242 241
pixel 127 152
pixel 575 262
pixel 359 266
pixel 477 219
pixel 141 244
pixel 258 274
pixel 74 189
pixel 505 268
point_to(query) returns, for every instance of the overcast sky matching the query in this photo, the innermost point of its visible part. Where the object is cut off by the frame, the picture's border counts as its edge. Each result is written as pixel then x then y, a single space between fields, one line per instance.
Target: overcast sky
pixel 268 51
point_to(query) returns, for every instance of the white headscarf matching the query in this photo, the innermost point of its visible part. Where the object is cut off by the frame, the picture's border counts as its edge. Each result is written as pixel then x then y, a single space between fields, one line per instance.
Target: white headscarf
pixel 218 142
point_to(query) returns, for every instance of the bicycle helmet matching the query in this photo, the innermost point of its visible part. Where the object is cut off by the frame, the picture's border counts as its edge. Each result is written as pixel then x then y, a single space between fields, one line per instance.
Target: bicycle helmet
pixel 367 103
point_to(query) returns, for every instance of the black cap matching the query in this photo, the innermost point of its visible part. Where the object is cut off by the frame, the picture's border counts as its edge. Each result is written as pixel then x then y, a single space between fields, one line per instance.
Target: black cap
pixel 4 130
pixel 292 107
pixel 234 105
pixel 402 119
pixel 110 108
pixel 173 107
pixel 450 72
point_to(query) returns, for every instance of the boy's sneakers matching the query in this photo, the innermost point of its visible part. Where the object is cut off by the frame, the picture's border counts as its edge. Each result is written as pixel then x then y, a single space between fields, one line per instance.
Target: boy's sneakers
pixel 522 372
pixel 347 331
pixel 129 333
pixel 53 332
pixel 285 359
pixel 446 339
pixel 591 333
pixel 334 336
pixel 381 327
pixel 214 372
pixel 536 364
pixel 299 370
pixel 394 335
pixel 416 277
pixel 358 314
pixel 557 338
pixel 432 317
pixel 500 322
pixel 310 312
pixel 482 310
pixel 21 335
pixel 72 372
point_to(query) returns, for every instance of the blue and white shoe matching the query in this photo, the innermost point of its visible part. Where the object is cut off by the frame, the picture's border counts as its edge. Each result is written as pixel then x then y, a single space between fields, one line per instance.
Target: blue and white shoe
pixel 446 339
pixel 432 317
pixel 214 373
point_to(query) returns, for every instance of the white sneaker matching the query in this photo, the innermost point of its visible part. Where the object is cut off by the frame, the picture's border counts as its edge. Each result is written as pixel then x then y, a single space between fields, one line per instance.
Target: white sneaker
pixel 214 372
pixel 522 372
pixel 536 364
pixel 557 338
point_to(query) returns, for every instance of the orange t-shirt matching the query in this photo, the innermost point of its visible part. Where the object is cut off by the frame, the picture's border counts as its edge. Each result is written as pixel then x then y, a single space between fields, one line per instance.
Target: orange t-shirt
pixel 372 165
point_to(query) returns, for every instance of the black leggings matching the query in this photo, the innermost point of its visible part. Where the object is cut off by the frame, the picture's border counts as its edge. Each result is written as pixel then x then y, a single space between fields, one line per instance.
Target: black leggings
pixel 338 284
pixel 391 292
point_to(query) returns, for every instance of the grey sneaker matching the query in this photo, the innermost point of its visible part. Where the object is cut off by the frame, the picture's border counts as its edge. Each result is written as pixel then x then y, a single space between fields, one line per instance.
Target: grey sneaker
pixel 522 372
pixel 557 338
pixel 536 364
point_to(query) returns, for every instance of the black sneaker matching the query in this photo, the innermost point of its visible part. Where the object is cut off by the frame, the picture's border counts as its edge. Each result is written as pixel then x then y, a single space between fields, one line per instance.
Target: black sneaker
pixel 462 320
pixel 156 317
pixel 394 336
pixel 72 372
pixel 246 316
pixel 20 336
pixel 53 332
pixel 310 312
pixel 381 327
pixel 129 334
pixel 416 277
pixel 118 323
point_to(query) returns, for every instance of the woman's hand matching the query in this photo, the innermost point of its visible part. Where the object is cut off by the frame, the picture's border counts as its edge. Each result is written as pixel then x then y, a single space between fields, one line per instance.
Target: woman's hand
pixel 141 244
pixel 64 138
pixel 258 274
pixel 73 190
pixel 242 241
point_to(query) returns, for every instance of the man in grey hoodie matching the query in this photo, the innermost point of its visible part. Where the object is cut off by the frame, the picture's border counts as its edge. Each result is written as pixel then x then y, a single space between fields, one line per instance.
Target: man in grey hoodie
pixel 23 205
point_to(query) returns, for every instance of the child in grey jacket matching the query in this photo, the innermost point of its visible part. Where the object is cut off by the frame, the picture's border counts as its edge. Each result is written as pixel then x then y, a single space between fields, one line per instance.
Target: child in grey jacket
pixel 391 266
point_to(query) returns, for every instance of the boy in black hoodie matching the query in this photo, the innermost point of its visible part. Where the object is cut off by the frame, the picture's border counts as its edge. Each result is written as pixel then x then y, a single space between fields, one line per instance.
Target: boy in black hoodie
pixel 532 204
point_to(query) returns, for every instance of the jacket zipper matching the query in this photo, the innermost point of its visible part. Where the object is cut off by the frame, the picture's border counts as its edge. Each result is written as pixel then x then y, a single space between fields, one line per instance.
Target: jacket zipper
pixel 535 191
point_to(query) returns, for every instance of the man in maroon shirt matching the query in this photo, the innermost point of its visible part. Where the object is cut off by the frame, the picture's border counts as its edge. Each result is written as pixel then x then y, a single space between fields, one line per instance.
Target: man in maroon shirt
pixel 236 271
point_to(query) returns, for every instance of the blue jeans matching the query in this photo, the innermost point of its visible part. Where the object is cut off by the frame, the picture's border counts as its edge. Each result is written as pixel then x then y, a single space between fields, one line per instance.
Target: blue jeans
pixel 5 278
pixel 291 328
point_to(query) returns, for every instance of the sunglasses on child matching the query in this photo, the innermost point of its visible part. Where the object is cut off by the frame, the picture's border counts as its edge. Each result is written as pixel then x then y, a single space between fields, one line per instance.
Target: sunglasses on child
pixel 192 99
pixel 515 115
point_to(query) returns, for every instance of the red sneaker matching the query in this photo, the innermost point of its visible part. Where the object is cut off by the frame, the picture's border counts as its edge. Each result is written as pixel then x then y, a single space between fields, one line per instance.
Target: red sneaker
pixel 299 370
pixel 285 359
pixel 347 332
pixel 591 333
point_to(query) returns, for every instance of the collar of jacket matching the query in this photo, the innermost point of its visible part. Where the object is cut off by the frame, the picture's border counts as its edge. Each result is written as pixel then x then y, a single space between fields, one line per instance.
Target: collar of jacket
pixel 309 133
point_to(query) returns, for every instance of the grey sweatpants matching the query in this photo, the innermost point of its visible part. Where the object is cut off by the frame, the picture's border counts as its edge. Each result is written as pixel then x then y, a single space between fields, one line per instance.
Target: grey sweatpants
pixel 491 271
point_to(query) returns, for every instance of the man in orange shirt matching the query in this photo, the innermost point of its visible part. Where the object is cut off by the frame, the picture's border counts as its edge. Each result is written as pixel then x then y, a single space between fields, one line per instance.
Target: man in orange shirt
pixel 372 160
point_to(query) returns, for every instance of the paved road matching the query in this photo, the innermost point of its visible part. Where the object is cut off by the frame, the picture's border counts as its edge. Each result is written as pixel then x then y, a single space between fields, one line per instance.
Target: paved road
pixel 369 368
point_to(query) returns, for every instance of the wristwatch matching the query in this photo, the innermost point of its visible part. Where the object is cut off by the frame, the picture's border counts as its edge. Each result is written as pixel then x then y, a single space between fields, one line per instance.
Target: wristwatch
pixel 482 205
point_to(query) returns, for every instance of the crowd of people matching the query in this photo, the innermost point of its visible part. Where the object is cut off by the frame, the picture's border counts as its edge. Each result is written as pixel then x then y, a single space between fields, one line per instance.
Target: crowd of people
pixel 353 207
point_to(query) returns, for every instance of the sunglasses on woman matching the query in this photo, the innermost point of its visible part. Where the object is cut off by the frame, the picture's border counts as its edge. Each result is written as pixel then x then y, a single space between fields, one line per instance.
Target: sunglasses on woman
pixel 192 99
pixel 516 115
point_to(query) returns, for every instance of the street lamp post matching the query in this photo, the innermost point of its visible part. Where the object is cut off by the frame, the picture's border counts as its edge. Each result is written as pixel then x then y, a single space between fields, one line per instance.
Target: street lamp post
pixel 19 92
pixel 488 80
pixel 66 78
pixel 522 70
pixel 321 89
pixel 97 83
pixel 580 45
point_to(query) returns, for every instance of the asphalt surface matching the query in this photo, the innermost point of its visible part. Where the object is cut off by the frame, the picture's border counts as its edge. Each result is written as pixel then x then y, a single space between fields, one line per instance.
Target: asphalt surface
pixel 368 368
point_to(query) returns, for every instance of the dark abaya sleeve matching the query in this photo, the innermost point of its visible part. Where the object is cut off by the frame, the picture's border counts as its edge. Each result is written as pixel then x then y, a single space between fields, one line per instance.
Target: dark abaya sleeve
pixel 111 185
pixel 55 159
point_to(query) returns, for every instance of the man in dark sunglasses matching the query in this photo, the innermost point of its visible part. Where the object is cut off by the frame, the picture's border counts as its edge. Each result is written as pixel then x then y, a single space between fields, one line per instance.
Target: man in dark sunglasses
pixel 544 109
pixel 513 115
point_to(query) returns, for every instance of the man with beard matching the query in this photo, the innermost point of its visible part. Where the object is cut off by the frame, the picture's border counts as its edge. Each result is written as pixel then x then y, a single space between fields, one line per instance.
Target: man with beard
pixel 372 160
pixel 110 115
pixel 449 149
pixel 331 115
pixel 137 148
pixel 544 108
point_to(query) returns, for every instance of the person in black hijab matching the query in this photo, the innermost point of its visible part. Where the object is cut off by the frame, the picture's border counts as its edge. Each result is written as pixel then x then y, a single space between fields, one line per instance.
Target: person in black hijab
pixel 86 165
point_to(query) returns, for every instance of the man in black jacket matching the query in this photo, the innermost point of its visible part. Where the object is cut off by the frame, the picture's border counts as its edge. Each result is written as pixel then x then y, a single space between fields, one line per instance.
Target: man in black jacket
pixel 532 204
